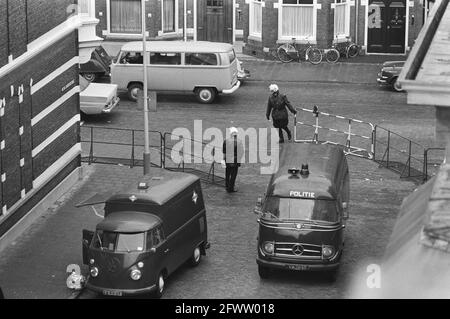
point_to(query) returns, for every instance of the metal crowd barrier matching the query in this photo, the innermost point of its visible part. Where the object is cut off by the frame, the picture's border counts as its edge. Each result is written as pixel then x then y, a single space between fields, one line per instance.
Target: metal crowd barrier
pixel 366 151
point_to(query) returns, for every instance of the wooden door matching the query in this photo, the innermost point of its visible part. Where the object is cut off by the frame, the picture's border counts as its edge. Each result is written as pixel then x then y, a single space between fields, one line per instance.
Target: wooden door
pixel 386 26
pixel 215 20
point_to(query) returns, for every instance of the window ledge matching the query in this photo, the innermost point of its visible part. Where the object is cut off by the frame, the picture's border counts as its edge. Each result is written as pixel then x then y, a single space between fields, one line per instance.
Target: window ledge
pixel 297 40
pixel 255 38
pixel 130 36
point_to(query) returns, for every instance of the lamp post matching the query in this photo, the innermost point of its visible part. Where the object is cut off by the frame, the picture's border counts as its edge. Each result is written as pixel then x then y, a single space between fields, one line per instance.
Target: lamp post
pixel 145 58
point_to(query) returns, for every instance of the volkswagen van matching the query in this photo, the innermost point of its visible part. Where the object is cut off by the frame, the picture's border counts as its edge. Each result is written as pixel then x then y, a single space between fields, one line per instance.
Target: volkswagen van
pixel 302 216
pixel 204 68
pixel 148 231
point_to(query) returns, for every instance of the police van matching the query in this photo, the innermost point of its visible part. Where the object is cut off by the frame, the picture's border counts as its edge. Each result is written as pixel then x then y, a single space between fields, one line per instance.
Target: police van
pixel 303 214
pixel 148 231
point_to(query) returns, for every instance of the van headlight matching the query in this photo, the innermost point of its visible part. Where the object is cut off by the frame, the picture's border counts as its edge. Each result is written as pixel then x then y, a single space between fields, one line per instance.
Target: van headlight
pixel 327 251
pixel 135 274
pixel 268 247
pixel 94 271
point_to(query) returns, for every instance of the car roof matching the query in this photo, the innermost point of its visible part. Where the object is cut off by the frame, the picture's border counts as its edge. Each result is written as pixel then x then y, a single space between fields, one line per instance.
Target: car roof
pixel 128 222
pixel 324 161
pixel 179 46
pixel 162 186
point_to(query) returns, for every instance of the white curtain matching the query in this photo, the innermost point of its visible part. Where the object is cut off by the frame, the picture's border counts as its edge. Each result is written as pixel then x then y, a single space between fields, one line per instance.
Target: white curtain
pixel 297 21
pixel 256 14
pixel 339 19
pixel 126 16
pixel 168 15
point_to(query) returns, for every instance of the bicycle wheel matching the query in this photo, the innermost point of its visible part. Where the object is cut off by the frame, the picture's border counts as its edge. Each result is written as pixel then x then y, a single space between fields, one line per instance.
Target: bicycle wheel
pixel 314 55
pixel 332 55
pixel 284 52
pixel 352 50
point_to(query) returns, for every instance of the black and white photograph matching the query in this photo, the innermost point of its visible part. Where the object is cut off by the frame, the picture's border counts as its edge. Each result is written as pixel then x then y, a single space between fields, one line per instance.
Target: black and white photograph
pixel 225 155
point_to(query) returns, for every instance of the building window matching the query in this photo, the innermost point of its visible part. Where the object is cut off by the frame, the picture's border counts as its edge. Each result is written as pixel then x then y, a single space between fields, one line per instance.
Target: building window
pixel 169 17
pixel 125 16
pixel 86 8
pixel 297 19
pixel 341 19
pixel 255 19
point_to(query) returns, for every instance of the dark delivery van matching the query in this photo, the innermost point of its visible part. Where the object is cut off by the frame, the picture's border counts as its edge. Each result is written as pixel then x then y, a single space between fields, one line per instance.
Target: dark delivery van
pixel 148 231
pixel 303 214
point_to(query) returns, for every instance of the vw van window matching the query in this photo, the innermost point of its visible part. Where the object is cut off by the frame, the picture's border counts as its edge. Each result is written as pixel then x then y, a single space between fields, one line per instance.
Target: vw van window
pixel 112 241
pixel 131 58
pixel 130 242
pixel 165 58
pixel 231 56
pixel 302 209
pixel 104 240
pixel 154 237
pixel 201 59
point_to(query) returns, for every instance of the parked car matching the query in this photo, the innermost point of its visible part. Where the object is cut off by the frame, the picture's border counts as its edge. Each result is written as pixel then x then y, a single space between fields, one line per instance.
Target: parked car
pixel 97 66
pixel 389 73
pixel 243 74
pixel 97 98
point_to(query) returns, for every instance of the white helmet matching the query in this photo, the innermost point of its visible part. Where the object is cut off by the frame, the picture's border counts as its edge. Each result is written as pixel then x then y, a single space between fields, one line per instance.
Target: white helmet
pixel 273 88
pixel 233 131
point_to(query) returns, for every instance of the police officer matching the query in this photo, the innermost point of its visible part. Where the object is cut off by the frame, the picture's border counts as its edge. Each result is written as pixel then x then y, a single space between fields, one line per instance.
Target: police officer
pixel 277 106
pixel 233 151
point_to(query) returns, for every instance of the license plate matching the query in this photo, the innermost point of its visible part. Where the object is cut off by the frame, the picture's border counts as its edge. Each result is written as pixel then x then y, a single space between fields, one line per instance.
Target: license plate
pixel 298 267
pixel 112 293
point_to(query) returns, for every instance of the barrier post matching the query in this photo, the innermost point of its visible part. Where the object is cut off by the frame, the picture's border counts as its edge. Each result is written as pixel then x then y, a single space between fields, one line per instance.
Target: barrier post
pixel 388 147
pixel 91 147
pixel 132 149
pixel 409 159
pixel 347 143
pixel 316 131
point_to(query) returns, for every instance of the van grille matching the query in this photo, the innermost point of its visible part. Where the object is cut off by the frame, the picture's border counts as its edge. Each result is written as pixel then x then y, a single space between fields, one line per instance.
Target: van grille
pixel 298 250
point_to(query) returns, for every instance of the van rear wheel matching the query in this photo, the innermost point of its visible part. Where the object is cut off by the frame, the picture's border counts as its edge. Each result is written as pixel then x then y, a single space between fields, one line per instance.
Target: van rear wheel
pixel 133 90
pixel 263 272
pixel 196 257
pixel 205 95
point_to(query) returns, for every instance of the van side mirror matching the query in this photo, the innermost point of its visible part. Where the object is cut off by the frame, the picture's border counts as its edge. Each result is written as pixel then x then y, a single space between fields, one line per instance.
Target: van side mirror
pixel 257 209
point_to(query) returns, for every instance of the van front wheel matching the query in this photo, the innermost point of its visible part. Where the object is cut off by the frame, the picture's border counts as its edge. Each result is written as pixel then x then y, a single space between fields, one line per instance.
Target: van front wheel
pixel 205 95
pixel 263 272
pixel 160 285
pixel 133 90
pixel 196 257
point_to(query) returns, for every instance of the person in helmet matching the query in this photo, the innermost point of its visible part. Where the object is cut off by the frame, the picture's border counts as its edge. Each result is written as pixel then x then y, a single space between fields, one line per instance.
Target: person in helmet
pixel 233 151
pixel 277 107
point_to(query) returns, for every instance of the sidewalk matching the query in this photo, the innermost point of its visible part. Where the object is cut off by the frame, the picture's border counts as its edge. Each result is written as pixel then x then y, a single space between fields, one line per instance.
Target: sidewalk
pixel 359 70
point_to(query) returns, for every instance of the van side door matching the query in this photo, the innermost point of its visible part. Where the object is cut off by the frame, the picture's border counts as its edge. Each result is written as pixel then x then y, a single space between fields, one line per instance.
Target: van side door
pixel 165 71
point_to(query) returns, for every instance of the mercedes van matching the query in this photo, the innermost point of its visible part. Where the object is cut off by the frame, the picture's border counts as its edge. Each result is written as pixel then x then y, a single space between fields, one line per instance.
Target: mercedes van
pixel 303 214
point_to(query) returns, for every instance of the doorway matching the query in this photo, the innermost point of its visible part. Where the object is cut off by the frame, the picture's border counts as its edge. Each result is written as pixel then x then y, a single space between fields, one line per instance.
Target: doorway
pixel 215 20
pixel 386 26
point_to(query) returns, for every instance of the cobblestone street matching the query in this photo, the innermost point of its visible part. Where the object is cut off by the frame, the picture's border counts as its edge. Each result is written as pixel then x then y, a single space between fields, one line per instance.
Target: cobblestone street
pixel 229 269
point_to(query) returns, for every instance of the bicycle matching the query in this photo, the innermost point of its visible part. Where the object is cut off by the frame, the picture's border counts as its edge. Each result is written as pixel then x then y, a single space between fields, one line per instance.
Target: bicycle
pixel 347 49
pixel 288 51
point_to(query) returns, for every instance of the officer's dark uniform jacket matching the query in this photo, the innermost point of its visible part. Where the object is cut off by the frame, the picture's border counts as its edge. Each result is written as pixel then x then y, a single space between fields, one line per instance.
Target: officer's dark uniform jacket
pixel 277 106
pixel 233 151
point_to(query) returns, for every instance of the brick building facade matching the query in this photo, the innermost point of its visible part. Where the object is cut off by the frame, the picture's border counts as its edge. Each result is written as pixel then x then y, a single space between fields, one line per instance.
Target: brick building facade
pixel 211 20
pixel 39 103
pixel 378 26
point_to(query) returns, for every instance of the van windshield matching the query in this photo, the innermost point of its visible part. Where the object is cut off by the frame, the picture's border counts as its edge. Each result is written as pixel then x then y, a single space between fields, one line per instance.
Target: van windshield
pixel 231 56
pixel 119 242
pixel 302 209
